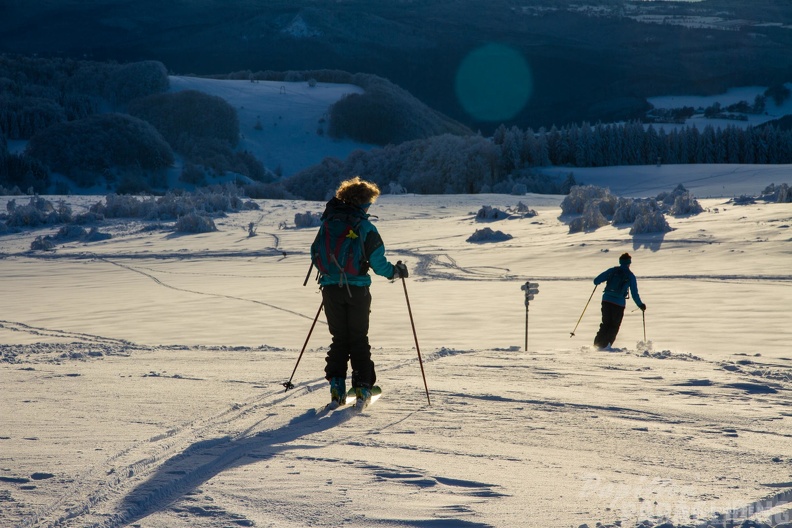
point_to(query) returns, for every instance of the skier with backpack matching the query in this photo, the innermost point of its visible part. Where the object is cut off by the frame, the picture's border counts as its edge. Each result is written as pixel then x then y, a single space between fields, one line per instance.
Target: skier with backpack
pixel 346 247
pixel 619 283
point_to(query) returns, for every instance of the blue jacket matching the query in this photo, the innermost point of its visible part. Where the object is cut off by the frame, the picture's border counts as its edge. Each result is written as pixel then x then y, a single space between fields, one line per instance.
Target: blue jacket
pixel 372 243
pixel 619 297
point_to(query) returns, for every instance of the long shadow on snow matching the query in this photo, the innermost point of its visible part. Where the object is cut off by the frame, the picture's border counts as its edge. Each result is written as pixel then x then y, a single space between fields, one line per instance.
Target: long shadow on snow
pixel 204 459
pixel 650 241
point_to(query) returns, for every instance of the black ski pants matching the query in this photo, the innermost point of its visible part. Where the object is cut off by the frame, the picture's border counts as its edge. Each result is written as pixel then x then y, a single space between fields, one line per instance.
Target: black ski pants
pixel 348 319
pixel 612 315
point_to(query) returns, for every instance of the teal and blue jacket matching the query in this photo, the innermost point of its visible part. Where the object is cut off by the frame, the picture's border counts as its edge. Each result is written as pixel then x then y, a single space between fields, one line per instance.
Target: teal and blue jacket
pixel 374 247
pixel 620 295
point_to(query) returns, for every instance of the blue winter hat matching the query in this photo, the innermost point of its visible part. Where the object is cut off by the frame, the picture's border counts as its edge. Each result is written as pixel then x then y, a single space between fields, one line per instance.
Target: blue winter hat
pixel 625 259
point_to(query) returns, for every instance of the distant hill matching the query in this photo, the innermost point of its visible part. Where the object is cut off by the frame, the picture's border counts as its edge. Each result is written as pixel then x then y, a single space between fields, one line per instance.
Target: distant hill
pixel 83 125
pixel 594 60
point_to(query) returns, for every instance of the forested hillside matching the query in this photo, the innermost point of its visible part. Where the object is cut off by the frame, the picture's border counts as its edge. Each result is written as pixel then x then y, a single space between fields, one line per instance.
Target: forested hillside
pixel 586 60
pixel 117 126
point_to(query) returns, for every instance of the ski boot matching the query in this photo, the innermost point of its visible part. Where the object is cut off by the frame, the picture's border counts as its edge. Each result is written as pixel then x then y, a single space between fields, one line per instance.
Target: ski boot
pixel 338 392
pixel 363 395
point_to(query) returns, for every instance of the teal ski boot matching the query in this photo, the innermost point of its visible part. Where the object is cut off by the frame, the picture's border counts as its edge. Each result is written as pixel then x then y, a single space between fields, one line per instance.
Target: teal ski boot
pixel 363 397
pixel 338 394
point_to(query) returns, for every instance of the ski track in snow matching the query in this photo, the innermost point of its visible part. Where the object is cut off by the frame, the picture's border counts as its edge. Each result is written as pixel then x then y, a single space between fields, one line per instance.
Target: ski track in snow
pixel 90 339
pixel 153 475
pixel 220 296
pixel 172 464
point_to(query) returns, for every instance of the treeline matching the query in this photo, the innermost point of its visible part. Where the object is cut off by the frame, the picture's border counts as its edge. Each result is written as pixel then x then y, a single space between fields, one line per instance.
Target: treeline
pixel 446 164
pixel 36 93
pixel 510 160
pixel 636 144
pixel 112 124
pixel 55 104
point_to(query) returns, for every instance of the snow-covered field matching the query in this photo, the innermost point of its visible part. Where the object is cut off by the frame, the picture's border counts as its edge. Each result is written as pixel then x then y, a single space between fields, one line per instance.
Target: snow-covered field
pixel 141 375
pixel 283 124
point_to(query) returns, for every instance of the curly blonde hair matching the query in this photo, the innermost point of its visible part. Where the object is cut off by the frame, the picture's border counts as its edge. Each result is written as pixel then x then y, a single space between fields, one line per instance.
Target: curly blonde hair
pixel 357 192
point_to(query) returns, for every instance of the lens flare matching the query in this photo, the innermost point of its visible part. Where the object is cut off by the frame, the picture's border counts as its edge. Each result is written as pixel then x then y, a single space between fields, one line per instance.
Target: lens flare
pixel 493 83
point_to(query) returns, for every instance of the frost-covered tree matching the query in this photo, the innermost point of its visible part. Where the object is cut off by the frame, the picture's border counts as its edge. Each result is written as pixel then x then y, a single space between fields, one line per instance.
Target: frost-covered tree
pixel 581 195
pixel 651 222
pixel 100 143
pixel 189 113
pixel 137 79
pixel 591 219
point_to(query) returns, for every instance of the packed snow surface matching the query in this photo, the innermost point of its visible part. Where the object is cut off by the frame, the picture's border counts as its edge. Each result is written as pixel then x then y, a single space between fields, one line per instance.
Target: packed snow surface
pixel 142 375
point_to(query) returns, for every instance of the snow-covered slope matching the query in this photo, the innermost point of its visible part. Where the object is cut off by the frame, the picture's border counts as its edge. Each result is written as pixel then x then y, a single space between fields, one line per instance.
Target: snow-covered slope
pixel 283 124
pixel 142 375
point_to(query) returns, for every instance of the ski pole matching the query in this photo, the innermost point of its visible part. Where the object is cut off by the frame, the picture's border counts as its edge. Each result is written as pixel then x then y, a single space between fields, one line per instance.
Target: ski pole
pixel 308 275
pixel 584 311
pixel 289 384
pixel 415 335
pixel 643 314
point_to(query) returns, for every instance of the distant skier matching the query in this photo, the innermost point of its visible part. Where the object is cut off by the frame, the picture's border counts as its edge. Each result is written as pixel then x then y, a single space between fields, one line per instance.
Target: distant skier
pixel 618 281
pixel 346 246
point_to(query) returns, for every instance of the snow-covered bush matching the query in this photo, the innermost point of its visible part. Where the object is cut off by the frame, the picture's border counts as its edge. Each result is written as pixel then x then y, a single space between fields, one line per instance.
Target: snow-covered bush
pixel 650 222
pixel 36 213
pixel 599 208
pixel 628 210
pixel 607 205
pixel 307 219
pixel 488 212
pixel 488 235
pixel 216 201
pixel 679 202
pixel 580 195
pixel 125 206
pixel 783 194
pixel 523 210
pixel 70 232
pixel 685 204
pixel 87 218
pixel 778 194
pixel 95 236
pixel 194 223
pixel 591 219
pixel 743 199
pixel 42 243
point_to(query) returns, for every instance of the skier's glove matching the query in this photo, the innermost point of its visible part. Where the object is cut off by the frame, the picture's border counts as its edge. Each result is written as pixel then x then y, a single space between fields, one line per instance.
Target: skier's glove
pixel 400 271
pixel 642 307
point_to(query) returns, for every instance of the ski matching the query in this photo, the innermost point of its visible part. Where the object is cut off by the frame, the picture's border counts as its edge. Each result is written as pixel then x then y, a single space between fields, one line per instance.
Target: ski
pixel 376 391
pixel 351 399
